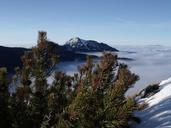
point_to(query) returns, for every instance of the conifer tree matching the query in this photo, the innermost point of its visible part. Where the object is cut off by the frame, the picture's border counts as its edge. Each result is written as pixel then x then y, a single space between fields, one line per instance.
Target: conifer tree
pixel 37 66
pixel 5 120
pixel 100 95
pixel 58 99
pixel 42 62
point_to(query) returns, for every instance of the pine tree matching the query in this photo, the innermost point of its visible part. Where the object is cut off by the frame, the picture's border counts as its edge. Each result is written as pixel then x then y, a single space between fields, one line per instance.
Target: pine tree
pixel 58 99
pixel 37 66
pixel 100 95
pixel 41 64
pixel 5 118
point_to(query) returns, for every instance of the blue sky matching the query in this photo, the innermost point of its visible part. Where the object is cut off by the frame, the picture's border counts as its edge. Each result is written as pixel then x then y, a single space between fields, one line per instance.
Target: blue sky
pixel 134 22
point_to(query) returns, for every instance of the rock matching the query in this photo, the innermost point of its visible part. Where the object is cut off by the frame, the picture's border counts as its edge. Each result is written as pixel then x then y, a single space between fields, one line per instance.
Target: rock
pixel 149 91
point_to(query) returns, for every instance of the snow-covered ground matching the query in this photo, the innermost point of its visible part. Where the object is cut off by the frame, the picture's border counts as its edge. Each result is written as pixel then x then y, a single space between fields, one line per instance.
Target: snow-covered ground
pixel 158 112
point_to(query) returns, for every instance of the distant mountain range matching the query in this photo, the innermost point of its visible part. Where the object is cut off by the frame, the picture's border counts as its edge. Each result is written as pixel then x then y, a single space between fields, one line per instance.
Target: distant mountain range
pixel 79 45
pixel 10 57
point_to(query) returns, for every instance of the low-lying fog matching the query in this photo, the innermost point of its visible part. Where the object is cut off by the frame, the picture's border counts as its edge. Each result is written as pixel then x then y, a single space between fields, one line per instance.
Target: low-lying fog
pixel 152 63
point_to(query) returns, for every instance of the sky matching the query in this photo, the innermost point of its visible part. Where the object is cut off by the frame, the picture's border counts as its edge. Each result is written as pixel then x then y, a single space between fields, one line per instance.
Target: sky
pixel 115 22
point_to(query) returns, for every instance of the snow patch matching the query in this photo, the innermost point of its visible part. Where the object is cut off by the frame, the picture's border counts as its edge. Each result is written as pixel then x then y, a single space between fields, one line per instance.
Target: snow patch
pixel 158 112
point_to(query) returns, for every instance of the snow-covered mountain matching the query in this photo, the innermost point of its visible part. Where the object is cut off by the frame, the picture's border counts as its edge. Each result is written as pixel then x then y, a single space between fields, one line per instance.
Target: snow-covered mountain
pixel 80 45
pixel 158 112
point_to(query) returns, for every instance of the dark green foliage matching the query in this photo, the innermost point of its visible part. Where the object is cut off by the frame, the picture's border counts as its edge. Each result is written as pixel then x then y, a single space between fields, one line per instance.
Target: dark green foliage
pixel 4 100
pixel 92 98
pixel 100 100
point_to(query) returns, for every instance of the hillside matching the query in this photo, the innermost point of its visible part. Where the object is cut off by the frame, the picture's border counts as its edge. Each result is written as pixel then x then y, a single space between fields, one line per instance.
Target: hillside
pixel 158 112
pixel 11 57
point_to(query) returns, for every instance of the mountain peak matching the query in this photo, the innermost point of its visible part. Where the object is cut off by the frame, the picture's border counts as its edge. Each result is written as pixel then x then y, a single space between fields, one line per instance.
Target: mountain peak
pixel 75 42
